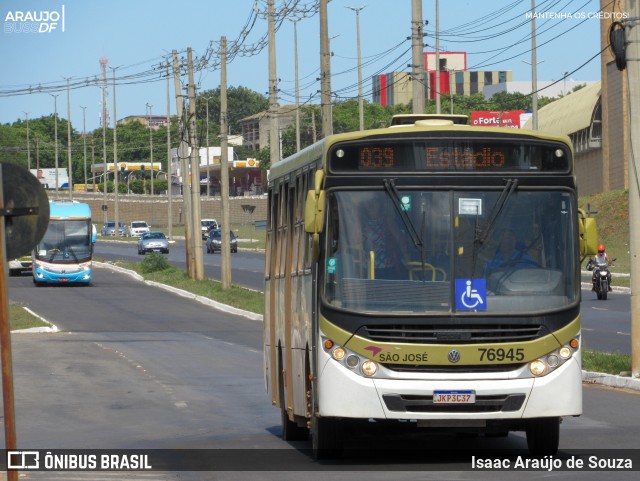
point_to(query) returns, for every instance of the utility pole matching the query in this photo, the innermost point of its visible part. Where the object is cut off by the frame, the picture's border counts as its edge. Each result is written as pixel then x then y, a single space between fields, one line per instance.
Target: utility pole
pixel 183 155
pixel 103 69
pixel 225 250
pixel 150 145
pixel 438 107
pixel 169 162
pixel 295 53
pixel 534 70
pixel 198 273
pixel 93 164
pixel 115 159
pixel 325 71
pixel 360 106
pixel 28 143
pixel 84 142
pixel 55 135
pixel 274 144
pixel 632 42
pixel 70 183
pixel 417 57
pixel 207 140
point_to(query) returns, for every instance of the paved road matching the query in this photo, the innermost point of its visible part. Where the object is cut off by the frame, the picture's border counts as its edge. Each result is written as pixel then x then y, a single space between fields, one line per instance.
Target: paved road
pixel 247 267
pixel 135 367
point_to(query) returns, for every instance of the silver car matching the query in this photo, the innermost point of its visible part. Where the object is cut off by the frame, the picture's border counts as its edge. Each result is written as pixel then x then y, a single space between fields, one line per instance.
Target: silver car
pixel 153 241
pixel 109 229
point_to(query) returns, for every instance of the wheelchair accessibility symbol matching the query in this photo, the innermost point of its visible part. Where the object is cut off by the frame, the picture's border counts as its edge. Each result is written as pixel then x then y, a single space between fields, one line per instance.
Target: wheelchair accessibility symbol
pixel 471 294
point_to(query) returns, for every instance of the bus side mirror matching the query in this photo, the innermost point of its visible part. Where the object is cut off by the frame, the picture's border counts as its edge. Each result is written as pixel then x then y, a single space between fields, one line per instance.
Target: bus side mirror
pixel 588 232
pixel 94 234
pixel 314 212
pixel 314 208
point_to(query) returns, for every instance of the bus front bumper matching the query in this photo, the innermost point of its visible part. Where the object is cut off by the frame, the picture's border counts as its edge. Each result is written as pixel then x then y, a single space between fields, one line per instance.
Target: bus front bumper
pixel 61 275
pixel 342 393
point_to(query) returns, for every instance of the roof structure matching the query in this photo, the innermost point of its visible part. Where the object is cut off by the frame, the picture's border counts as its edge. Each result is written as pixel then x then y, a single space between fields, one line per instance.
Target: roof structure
pixel 571 113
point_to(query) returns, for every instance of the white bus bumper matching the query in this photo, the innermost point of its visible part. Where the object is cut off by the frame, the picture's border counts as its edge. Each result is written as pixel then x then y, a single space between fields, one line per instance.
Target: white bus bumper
pixel 343 393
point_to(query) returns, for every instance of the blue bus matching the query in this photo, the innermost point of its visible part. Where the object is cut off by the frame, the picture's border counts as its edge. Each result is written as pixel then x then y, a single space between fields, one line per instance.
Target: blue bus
pixel 64 253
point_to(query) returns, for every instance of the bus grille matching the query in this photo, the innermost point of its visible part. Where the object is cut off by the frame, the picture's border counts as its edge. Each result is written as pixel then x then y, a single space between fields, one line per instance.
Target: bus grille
pixel 453 334
pixel 422 368
pixel 424 404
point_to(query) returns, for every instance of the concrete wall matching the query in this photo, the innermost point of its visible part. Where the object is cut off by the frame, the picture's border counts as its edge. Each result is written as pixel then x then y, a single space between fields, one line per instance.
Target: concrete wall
pixel 588 168
pixel 155 209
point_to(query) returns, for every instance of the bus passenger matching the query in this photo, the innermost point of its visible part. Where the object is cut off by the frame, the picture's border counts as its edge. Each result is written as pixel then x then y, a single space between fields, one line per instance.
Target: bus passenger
pixel 510 252
pixel 381 235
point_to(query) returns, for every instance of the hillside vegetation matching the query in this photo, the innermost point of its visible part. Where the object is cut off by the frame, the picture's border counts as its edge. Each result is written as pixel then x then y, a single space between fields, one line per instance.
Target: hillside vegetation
pixel 612 217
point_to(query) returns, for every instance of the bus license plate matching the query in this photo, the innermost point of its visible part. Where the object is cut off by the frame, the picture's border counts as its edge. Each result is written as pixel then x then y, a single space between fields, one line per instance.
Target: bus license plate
pixel 454 397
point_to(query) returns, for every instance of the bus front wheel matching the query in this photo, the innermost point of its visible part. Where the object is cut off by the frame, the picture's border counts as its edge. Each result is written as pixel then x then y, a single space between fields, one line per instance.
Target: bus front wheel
pixel 543 436
pixel 326 438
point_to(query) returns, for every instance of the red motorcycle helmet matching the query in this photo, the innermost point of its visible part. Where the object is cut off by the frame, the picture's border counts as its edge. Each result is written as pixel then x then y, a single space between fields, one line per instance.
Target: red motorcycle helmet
pixel 601 248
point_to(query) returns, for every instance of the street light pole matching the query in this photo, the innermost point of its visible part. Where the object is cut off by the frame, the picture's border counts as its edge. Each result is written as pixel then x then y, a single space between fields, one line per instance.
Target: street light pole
pixel 55 135
pixel 150 145
pixel 295 53
pixel 84 141
pixel 70 182
pixel 534 71
pixel 28 143
pixel 207 140
pixel 115 158
pixel 438 105
pixel 360 105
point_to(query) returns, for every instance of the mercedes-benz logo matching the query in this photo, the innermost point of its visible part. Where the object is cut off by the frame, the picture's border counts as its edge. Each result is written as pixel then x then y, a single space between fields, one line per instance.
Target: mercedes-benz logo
pixel 454 356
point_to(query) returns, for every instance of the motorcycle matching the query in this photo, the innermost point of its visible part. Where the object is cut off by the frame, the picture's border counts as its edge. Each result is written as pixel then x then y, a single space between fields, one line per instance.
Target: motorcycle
pixel 601 278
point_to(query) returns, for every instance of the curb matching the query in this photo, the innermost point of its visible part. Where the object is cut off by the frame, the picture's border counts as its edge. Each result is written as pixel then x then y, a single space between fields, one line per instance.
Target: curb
pixel 611 380
pixel 51 328
pixel 189 295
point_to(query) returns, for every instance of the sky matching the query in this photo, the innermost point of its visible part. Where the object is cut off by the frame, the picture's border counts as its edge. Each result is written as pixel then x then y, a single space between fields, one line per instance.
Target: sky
pixel 136 36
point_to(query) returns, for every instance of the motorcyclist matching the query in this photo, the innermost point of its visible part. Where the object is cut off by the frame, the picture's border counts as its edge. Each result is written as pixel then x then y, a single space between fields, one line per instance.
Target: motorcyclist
pixel 602 258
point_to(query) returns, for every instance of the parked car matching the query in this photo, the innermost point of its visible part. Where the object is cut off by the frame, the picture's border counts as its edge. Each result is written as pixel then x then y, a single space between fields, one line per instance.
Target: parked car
pixel 153 241
pixel 207 225
pixel 138 227
pixel 18 266
pixel 109 229
pixel 214 241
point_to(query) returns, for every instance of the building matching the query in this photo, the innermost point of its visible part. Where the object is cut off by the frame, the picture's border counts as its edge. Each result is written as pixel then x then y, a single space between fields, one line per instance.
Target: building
pixel 546 88
pixel 153 121
pixel 256 128
pixel 596 118
pixel 245 175
pixel 395 88
pixel 579 116
pixel 614 167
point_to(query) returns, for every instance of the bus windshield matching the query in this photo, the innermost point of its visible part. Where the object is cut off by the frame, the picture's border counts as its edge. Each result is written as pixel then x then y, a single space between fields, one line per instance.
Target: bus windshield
pixel 406 253
pixel 66 242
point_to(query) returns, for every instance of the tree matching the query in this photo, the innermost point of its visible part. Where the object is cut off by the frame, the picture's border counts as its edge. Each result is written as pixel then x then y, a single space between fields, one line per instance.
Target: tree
pixel 241 102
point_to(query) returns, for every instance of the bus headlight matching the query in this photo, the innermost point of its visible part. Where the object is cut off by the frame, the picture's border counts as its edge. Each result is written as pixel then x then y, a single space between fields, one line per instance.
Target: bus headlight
pixel 338 353
pixel 369 368
pixel 354 362
pixel 537 367
pixel 546 364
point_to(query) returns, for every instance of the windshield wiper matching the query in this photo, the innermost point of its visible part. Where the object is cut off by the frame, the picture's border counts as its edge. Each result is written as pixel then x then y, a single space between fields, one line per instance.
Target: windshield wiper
pixel 390 187
pixel 483 233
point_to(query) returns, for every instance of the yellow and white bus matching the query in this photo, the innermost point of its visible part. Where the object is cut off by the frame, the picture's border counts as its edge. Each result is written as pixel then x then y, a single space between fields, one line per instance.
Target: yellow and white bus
pixel 425 273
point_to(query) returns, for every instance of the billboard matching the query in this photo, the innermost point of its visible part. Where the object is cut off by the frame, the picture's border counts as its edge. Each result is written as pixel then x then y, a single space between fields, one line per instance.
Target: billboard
pixel 47 178
pixel 514 119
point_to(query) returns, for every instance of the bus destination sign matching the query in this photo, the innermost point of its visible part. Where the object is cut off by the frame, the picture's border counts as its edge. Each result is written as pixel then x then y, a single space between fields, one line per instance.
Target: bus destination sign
pixel 450 155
